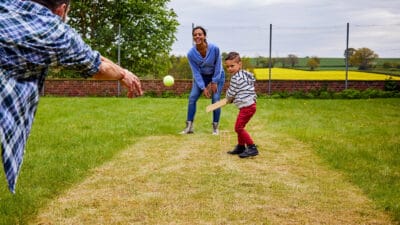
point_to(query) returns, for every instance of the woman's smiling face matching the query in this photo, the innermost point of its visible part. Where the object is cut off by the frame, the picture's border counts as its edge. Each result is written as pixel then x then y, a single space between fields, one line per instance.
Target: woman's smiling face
pixel 198 36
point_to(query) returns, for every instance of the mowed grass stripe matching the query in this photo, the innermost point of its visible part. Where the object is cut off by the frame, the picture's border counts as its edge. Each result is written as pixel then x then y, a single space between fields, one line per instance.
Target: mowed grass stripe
pixel 190 179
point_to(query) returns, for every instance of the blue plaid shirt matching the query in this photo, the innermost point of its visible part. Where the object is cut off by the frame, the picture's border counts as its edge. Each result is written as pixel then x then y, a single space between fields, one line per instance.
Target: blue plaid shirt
pixel 32 39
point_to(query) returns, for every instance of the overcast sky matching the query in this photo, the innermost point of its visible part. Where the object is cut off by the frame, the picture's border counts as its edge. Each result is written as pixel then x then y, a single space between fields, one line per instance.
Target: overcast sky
pixel 300 27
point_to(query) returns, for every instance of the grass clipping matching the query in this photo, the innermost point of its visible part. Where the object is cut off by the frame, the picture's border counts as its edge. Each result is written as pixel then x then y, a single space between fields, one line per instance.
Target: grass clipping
pixel 189 179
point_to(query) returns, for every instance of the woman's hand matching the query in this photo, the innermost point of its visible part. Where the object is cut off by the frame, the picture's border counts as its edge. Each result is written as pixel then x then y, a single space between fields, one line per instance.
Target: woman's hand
pixel 214 88
pixel 206 93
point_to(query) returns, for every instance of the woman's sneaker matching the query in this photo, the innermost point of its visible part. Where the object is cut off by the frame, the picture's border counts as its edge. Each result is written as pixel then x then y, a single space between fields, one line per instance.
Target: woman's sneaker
pixel 215 128
pixel 188 129
pixel 250 151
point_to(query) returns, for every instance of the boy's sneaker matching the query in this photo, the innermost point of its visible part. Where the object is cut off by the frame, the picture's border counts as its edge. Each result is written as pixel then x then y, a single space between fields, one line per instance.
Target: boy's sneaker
pixel 250 151
pixel 237 150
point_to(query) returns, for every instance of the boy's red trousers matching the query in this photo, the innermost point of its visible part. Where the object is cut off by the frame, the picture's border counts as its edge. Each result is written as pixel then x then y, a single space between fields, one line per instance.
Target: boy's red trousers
pixel 244 116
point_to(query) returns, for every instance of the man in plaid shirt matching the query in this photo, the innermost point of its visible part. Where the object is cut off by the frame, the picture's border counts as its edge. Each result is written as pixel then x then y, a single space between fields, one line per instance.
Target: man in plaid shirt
pixel 34 37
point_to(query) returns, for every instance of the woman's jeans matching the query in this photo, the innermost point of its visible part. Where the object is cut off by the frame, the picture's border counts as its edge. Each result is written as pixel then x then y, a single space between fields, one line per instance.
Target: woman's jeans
pixel 196 93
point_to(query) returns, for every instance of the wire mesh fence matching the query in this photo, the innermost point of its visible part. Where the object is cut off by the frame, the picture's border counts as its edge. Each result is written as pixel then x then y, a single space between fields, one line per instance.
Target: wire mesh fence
pixel 303 41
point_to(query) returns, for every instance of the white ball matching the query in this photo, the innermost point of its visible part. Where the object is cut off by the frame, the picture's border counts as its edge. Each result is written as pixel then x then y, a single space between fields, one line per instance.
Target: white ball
pixel 168 80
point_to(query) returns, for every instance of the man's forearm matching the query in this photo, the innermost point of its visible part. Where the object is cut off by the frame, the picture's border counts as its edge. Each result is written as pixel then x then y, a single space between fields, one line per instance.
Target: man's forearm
pixel 109 70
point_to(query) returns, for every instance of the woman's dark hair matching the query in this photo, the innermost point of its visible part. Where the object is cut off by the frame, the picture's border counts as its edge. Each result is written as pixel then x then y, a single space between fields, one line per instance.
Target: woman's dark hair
pixel 52 4
pixel 201 28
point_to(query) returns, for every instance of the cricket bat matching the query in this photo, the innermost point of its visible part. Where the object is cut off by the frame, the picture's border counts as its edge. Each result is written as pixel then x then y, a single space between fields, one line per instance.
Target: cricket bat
pixel 216 105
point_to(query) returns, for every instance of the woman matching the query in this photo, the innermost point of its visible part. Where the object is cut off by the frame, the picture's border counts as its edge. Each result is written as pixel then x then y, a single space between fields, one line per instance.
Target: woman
pixel 206 64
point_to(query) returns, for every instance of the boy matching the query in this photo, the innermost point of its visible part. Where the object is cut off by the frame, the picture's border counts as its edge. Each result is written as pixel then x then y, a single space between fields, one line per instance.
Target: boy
pixel 241 92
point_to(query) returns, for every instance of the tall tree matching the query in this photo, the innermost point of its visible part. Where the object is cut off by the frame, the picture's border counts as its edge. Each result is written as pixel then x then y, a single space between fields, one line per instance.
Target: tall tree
pixel 180 68
pixel 363 58
pixel 313 62
pixel 148 30
pixel 262 62
pixel 349 53
pixel 293 60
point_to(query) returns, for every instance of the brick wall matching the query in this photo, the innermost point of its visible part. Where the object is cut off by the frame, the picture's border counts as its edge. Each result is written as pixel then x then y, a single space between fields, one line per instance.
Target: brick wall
pixel 80 88
pixel 89 87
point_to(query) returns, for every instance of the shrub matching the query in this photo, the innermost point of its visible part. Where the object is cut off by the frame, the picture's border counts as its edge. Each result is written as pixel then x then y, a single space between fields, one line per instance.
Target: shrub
pixel 152 94
pixel 297 94
pixel 325 95
pixel 387 65
pixel 168 94
pixel 350 94
pixel 370 93
pixel 276 95
pixel 284 94
pixel 391 85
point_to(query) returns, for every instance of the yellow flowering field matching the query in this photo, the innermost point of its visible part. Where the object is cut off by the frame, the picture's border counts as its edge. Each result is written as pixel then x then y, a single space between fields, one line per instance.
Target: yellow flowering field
pixel 291 74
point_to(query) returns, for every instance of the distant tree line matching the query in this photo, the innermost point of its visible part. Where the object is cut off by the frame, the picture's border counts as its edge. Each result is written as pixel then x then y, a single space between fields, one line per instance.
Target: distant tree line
pixel 362 58
pixel 180 68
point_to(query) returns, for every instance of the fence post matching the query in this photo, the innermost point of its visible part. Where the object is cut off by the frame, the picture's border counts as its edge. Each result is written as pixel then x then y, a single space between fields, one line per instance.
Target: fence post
pixel 119 57
pixel 270 59
pixel 347 56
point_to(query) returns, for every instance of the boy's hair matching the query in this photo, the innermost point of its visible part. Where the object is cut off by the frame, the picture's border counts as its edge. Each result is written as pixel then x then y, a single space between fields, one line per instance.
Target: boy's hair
pixel 52 4
pixel 232 56
pixel 201 28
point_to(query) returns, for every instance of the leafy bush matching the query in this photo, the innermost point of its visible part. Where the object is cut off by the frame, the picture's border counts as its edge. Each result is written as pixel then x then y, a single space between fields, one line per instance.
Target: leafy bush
pixel 370 93
pixel 391 85
pixel 325 95
pixel 350 94
pixel 276 95
pixel 298 94
pixel 150 94
pixel 168 94
pixel 387 65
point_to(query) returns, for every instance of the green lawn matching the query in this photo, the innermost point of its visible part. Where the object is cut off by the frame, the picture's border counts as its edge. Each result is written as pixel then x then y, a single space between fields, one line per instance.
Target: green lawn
pixel 360 138
pixel 72 136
